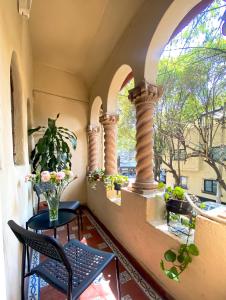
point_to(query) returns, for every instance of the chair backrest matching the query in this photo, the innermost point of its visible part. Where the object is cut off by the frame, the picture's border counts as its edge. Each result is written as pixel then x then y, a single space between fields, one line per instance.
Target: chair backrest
pixel 43 244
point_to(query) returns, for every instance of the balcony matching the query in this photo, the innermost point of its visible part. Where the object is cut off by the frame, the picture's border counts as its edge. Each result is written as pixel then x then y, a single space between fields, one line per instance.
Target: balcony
pixel 73 58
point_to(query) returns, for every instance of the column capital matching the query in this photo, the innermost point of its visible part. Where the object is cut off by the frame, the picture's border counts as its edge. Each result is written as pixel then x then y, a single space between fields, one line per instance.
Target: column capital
pixel 93 129
pixel 109 119
pixel 145 93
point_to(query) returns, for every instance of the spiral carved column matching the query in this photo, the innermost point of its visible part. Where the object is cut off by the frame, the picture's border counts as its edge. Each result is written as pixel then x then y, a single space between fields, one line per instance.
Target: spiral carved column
pixel 93 133
pixel 109 123
pixel 145 99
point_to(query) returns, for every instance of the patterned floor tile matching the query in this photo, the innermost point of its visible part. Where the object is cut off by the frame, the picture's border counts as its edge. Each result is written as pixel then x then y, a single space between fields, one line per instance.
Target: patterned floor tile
pixel 126 297
pixel 87 235
pixel 102 246
pixel 134 287
pixel 124 277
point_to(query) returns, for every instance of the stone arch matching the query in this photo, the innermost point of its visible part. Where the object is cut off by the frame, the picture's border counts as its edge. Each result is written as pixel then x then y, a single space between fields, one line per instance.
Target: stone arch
pixel 117 81
pixel 95 111
pixel 16 111
pixel 166 27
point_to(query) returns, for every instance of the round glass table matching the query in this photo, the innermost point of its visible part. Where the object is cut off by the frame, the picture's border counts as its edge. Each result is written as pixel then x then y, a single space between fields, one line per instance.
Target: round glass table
pixel 40 221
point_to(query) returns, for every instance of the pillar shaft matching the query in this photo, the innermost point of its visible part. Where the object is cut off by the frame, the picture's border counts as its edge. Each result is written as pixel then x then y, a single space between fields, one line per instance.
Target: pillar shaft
pixel 93 133
pixel 109 123
pixel 144 99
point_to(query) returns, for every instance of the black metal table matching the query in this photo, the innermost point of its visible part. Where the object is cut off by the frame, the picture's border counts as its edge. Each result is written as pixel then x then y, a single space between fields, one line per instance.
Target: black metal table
pixel 40 221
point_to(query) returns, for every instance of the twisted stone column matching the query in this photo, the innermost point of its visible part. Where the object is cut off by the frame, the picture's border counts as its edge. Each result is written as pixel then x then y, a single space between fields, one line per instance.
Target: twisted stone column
pixel 110 151
pixel 93 133
pixel 145 99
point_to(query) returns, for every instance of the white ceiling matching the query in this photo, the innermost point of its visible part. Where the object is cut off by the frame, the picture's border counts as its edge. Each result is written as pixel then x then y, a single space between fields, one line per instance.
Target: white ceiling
pixel 78 35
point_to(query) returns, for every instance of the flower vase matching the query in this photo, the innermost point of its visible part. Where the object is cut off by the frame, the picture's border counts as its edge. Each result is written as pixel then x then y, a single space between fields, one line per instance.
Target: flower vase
pixel 53 201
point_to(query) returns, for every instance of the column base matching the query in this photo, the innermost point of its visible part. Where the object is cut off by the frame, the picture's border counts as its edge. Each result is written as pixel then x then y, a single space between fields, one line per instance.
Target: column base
pixel 144 188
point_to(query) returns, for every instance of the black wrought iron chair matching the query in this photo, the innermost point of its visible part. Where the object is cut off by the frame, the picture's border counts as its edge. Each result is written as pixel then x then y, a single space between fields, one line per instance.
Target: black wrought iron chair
pixel 70 269
pixel 71 205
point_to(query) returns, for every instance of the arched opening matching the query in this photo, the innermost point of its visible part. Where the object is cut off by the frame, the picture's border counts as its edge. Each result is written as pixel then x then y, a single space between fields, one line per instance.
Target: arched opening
pixel 96 111
pixel 169 22
pixel 16 111
pixel 190 119
pixel 116 84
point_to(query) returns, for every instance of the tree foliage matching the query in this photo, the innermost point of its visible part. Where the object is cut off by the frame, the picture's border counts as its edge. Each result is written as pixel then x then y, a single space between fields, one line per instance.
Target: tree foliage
pixel 192 71
pixel 126 126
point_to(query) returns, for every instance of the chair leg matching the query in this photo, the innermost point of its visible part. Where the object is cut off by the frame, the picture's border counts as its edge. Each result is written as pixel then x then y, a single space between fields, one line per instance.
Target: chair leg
pixel 68 233
pixel 69 289
pixel 23 272
pixel 78 224
pixel 80 215
pixel 28 259
pixel 118 278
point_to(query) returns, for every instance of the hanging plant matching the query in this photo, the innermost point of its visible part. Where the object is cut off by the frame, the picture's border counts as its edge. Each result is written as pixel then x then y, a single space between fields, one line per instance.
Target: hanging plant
pixel 52 151
pixel 179 259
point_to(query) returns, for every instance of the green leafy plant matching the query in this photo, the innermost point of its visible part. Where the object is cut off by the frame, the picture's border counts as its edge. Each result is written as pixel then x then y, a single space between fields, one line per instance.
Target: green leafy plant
pixel 176 193
pixel 111 180
pixel 161 185
pixel 95 176
pixel 108 180
pixel 52 152
pixel 179 260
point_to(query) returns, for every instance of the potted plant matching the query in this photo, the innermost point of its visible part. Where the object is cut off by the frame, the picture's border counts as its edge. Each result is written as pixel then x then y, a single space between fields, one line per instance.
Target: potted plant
pixel 116 182
pixel 52 151
pixel 176 201
pixel 179 260
pixel 95 176
pixel 52 184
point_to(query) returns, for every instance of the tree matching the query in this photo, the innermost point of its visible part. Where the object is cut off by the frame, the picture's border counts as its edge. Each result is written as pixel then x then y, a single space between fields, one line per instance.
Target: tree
pixel 126 126
pixel 192 71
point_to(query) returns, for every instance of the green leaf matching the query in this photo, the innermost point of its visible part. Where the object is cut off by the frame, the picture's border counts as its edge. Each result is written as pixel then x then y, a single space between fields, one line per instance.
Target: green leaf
pixel 32 130
pixel 166 196
pixel 180 258
pixel 193 249
pixel 51 123
pixel 173 274
pixel 170 256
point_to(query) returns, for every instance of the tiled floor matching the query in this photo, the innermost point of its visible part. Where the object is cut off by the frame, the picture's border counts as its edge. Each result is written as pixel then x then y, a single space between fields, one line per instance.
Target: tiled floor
pixel 133 286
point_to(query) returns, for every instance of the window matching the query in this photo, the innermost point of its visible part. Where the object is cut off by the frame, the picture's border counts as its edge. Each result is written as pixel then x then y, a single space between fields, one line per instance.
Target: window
pixel 218 153
pixel 210 186
pixel 184 182
pixel 180 154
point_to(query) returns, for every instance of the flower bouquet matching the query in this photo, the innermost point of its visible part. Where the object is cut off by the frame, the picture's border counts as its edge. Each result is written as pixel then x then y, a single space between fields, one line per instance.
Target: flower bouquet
pixel 52 184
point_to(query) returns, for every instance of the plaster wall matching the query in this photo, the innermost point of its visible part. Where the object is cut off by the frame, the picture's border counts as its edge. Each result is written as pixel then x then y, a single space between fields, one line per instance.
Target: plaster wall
pixel 56 92
pixel 15 204
pixel 131 225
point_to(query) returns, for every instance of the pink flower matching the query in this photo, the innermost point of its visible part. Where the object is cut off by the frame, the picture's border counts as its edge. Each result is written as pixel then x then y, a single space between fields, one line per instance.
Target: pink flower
pixel 60 175
pixel 45 176
pixel 27 178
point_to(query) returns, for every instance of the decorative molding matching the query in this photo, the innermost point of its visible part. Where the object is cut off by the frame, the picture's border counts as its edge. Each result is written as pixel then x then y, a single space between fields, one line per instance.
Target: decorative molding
pixel 108 119
pixel 24 7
